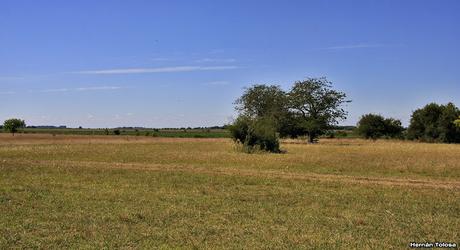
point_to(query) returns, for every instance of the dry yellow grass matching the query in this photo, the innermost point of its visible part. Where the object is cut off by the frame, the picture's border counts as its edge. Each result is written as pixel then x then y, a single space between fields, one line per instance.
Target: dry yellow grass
pixel 144 192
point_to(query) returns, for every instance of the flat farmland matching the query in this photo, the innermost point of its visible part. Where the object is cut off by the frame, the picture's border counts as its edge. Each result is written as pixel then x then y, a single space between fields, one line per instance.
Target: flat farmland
pixel 68 191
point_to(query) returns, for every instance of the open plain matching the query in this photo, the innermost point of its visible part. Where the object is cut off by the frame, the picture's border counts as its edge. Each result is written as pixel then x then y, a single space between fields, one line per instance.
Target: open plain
pixel 69 191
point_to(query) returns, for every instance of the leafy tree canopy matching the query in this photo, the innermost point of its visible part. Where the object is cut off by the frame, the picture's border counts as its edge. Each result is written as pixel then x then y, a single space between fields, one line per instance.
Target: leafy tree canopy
pixel 317 105
pixel 373 126
pixel 263 101
pixel 13 125
pixel 435 123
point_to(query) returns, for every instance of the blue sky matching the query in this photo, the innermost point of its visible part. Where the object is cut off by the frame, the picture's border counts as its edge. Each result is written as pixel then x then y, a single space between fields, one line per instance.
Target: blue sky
pixel 183 63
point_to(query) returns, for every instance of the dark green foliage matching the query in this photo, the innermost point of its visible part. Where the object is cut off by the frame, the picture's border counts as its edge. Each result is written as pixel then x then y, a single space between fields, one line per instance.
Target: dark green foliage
pixel 116 132
pixel 393 128
pixel 263 101
pixel 255 133
pixel 435 123
pixel 311 107
pixel 372 126
pixel 106 131
pixel 318 106
pixel 239 129
pixel 291 126
pixel 13 125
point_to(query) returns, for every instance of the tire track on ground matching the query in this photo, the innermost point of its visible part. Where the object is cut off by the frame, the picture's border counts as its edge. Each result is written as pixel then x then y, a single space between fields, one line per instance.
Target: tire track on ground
pixel 228 171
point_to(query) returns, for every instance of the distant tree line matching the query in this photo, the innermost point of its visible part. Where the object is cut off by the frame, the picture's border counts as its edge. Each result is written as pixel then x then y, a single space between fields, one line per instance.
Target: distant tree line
pixel 432 123
pixel 312 108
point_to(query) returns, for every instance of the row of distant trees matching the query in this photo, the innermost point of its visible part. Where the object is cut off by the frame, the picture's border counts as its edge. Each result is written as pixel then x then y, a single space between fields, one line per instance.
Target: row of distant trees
pixel 312 107
pixel 432 123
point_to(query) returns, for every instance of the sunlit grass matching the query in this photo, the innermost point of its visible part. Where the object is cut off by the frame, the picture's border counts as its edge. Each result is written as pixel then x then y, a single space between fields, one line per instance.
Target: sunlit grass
pixel 80 192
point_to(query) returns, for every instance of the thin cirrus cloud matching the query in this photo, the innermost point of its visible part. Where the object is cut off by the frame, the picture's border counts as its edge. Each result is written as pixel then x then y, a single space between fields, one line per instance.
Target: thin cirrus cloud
pixel 80 89
pixel 155 70
pixel 355 46
pixel 217 83
pixel 217 60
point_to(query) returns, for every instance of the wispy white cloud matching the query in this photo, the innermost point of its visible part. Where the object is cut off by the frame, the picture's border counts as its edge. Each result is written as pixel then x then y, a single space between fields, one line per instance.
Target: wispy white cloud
pixel 53 90
pixel 219 60
pixel 155 70
pixel 7 92
pixel 217 83
pixel 356 46
pixel 99 88
pixel 161 59
pixel 81 89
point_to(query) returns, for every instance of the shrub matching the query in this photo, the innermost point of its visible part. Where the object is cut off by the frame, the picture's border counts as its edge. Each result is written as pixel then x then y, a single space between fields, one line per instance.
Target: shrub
pixel 393 128
pixel 240 128
pixel 372 126
pixel 116 132
pixel 255 134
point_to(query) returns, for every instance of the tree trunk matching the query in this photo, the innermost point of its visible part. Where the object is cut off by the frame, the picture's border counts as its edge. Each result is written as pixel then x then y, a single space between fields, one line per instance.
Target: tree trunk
pixel 311 138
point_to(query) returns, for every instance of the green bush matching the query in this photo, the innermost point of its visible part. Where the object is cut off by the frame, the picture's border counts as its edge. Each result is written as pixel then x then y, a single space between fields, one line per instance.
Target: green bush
pixel 435 123
pixel 372 126
pixel 255 134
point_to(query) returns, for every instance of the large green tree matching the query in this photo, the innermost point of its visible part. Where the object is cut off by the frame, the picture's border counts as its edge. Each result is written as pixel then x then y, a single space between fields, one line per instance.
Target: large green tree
pixel 13 125
pixel 316 106
pixel 261 109
pixel 435 123
pixel 267 101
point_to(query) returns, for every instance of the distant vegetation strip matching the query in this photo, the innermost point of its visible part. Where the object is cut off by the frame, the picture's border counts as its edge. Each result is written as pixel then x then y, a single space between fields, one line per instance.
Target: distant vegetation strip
pixel 179 133
pixel 339 132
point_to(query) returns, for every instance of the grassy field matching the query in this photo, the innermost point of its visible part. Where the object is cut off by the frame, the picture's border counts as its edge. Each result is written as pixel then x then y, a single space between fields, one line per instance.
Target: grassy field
pixel 141 192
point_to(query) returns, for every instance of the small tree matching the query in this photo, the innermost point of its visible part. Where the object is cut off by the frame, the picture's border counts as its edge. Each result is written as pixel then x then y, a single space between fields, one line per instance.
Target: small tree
pixel 13 125
pixel 372 126
pixel 318 106
pixel 435 122
pixel 393 128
